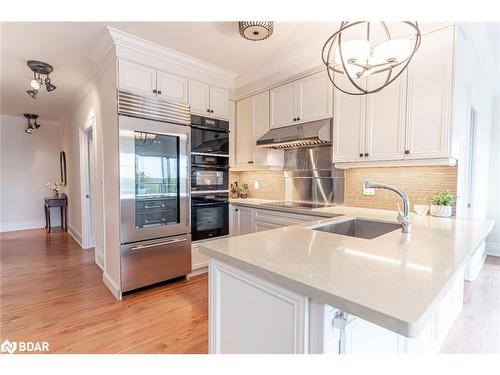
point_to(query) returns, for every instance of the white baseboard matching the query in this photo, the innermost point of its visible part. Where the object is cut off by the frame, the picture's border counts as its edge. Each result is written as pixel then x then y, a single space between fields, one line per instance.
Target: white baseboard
pixel 114 289
pixel 11 226
pixel 493 249
pixel 99 261
pixel 77 236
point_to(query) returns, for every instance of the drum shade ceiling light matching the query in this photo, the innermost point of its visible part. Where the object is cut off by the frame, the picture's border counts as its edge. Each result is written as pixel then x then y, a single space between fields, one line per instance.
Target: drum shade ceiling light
pixel 40 69
pixel 256 30
pixel 376 52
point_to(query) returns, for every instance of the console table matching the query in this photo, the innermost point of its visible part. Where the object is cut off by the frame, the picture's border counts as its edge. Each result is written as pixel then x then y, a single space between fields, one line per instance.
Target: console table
pixel 61 202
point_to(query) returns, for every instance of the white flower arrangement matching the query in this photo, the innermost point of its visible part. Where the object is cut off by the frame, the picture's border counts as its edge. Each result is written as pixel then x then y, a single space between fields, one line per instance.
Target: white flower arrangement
pixel 57 186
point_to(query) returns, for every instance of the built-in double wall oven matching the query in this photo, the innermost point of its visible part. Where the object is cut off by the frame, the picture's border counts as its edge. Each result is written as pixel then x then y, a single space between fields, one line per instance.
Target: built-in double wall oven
pixel 209 178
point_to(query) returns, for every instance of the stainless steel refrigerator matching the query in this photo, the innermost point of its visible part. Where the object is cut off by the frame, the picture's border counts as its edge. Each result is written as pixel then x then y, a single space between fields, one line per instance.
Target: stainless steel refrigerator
pixel 155 231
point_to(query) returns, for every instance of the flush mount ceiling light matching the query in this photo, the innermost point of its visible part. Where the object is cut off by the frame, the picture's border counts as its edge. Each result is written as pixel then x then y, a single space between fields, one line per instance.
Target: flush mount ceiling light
pixel 376 52
pixel 256 30
pixel 40 69
pixel 32 124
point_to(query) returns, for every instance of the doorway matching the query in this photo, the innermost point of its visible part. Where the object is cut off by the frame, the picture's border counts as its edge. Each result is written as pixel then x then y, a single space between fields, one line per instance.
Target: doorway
pixel 471 163
pixel 87 168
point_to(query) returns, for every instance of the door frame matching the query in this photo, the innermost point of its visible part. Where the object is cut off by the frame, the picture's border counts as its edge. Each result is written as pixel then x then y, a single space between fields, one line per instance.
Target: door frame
pixel 86 176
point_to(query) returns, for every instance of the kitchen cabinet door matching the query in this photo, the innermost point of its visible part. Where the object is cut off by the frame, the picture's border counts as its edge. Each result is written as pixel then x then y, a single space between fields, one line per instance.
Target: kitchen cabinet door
pixel 172 87
pixel 313 95
pixel 260 125
pixel 219 103
pixel 282 105
pixel 348 124
pixel 136 77
pixel 429 97
pixel 244 132
pixel 385 119
pixel 199 98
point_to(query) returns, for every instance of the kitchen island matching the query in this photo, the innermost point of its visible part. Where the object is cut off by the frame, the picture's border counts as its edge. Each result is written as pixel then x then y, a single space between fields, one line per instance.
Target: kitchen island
pixel 299 290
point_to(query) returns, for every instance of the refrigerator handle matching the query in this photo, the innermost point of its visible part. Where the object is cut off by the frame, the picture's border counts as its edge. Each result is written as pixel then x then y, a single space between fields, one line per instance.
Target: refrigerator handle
pixel 140 247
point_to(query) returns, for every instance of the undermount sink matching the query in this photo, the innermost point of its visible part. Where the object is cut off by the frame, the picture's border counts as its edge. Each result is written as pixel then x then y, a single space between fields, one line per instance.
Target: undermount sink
pixel 359 228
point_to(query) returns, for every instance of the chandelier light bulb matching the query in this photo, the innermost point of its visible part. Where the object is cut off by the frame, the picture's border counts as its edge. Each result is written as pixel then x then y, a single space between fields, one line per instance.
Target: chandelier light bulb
pixel 393 51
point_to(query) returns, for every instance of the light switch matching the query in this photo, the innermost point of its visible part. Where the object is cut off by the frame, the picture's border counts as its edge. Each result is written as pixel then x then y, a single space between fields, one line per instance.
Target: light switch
pixel 256 185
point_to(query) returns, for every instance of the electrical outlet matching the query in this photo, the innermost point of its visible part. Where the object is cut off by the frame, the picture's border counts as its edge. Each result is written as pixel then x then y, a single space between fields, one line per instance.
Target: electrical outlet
pixel 256 185
pixel 368 191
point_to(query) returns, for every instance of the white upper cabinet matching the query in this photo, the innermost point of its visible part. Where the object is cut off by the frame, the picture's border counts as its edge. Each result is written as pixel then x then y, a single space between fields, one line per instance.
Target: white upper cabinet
pixel 199 97
pixel 219 102
pixel 385 119
pixel 314 97
pixel 304 100
pixel 137 77
pixel 283 105
pixel 429 96
pixel 252 121
pixel 348 125
pixel 410 119
pixel 172 87
pixel 207 100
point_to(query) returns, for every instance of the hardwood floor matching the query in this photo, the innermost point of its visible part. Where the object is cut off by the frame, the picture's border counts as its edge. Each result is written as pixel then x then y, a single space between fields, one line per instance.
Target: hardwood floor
pixel 51 290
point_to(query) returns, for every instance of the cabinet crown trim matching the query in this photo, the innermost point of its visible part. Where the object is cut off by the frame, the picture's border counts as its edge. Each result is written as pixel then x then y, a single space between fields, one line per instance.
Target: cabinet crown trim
pixel 123 39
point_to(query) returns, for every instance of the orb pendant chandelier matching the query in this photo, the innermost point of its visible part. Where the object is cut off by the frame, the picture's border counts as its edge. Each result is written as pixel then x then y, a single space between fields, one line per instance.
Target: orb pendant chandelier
pixel 376 52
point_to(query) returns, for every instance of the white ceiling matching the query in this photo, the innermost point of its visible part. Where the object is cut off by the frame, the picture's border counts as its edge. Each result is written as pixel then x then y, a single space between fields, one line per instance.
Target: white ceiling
pixel 67 46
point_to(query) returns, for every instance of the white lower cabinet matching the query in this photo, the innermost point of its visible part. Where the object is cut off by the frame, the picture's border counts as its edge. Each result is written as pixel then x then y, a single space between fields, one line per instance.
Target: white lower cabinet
pixel 248 314
pixel 244 220
pixel 198 260
pixel 251 316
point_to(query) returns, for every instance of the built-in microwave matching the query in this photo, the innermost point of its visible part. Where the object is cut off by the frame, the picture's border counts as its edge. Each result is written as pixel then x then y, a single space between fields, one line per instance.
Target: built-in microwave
pixel 209 135
pixel 209 172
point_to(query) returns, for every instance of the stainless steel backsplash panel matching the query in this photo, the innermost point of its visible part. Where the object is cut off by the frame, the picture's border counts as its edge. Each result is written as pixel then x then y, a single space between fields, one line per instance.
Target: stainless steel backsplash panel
pixel 310 176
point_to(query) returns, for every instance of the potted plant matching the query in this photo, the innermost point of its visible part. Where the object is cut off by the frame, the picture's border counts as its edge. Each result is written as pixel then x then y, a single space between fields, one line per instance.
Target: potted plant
pixel 243 190
pixel 441 203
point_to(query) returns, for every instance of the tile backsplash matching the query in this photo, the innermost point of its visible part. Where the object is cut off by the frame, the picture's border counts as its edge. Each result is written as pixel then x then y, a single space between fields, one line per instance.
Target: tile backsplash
pixel 417 182
pixel 271 183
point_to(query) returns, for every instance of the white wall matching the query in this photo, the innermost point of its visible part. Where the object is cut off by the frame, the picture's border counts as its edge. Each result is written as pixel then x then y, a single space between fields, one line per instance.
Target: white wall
pixel 28 162
pixel 493 241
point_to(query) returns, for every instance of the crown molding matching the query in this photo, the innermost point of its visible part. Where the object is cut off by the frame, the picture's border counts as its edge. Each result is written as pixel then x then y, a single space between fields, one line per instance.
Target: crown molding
pixel 126 40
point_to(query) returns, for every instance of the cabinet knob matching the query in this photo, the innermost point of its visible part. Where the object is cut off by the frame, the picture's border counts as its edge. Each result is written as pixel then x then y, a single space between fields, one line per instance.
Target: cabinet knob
pixel 298 118
pixel 367 154
pixel 154 91
pixel 250 162
pixel 208 110
pixel 407 152
pixel 159 92
pixel 294 119
pixel 211 111
pixel 360 154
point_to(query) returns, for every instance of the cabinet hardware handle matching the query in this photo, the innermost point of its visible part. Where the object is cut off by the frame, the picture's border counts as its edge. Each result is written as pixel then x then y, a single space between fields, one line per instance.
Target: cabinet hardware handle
pixel 298 118
pixel 208 110
pixel 211 111
pixel 407 152
pixel 360 154
pixel 367 154
pixel 159 92
pixel 250 162
pixel 154 91
pixel 294 119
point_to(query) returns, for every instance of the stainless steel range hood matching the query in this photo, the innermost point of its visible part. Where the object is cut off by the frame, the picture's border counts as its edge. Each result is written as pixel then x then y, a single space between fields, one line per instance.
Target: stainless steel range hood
pixel 296 136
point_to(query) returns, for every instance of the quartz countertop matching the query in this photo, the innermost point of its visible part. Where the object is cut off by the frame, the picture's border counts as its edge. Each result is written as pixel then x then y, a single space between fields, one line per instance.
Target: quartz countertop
pixel 394 280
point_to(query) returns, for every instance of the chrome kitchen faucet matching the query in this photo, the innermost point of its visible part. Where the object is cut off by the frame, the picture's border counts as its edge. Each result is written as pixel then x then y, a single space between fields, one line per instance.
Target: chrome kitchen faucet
pixel 403 217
